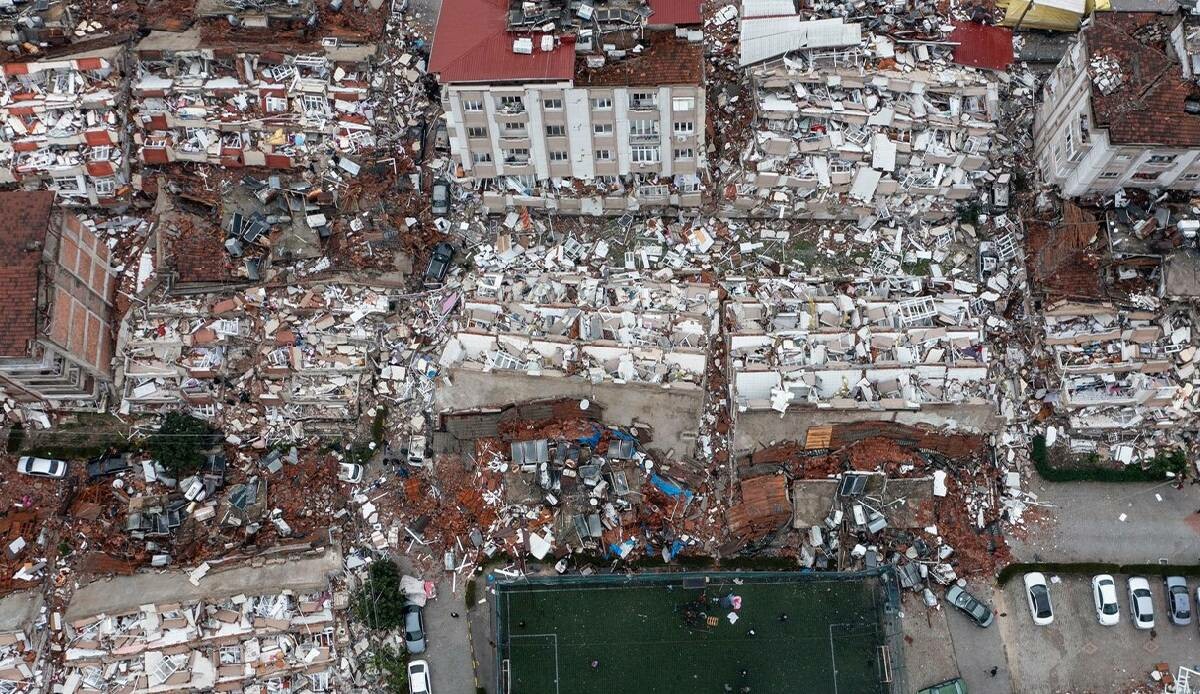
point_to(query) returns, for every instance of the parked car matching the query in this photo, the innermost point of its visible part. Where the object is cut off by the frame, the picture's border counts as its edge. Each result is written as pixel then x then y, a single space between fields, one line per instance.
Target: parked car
pixel 1038 594
pixel 1104 594
pixel 1179 607
pixel 418 677
pixel 350 472
pixel 1141 605
pixel 414 629
pixel 975 609
pixel 440 198
pixel 439 263
pixel 106 465
pixel 42 467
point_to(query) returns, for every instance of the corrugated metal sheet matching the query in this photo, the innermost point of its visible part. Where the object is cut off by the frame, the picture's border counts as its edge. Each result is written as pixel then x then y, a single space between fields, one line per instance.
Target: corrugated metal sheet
pixel 767 8
pixel 988 47
pixel 675 12
pixel 763 38
pixel 472 44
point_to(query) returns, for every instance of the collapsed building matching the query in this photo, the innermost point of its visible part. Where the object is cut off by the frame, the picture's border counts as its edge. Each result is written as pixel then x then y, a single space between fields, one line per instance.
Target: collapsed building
pixel 58 306
pixel 854 126
pixel 862 350
pixel 196 101
pixel 579 109
pixel 1122 109
pixel 65 127
pixel 32 26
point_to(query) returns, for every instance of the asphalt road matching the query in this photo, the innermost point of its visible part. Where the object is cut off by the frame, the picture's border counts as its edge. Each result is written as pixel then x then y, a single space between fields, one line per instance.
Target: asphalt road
pixel 1160 522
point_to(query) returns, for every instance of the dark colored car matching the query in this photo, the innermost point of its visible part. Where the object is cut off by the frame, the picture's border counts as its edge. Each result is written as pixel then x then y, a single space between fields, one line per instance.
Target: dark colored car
pixel 969 604
pixel 107 465
pixel 439 264
pixel 440 199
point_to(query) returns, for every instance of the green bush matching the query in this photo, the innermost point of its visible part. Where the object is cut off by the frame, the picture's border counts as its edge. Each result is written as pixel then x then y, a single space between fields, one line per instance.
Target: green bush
pixel 1093 568
pixel 16 436
pixel 380 603
pixel 1155 471
pixel 377 425
pixel 178 443
pixel 392 668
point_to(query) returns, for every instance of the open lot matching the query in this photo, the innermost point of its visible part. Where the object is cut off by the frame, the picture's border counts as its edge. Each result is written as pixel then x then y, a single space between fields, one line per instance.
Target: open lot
pixel 1075 653
pixel 641 635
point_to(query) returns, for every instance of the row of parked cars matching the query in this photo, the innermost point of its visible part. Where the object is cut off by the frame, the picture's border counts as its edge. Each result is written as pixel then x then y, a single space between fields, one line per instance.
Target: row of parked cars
pixel 1104 596
pixel 53 468
pixel 1108 609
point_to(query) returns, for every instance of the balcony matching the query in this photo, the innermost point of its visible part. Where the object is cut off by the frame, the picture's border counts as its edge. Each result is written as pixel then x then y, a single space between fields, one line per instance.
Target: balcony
pixel 643 104
pixel 643 138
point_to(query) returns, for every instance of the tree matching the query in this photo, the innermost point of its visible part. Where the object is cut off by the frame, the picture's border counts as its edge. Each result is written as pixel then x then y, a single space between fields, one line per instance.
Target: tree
pixel 379 603
pixel 178 443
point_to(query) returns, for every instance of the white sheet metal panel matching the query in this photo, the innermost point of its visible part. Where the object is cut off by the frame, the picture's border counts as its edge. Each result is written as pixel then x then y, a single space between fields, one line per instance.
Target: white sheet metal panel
pixel 489 107
pixel 767 8
pixel 770 37
pixel 883 153
pixel 579 133
pixel 621 128
pixel 1078 7
pixel 865 183
pixel 537 134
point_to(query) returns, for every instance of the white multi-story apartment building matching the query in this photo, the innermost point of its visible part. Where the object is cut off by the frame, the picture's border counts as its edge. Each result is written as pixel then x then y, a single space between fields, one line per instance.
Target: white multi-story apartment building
pixel 542 119
pixel 1119 110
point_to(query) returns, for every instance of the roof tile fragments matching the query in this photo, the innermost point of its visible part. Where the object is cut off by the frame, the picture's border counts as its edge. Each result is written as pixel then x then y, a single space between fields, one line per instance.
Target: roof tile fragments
pixel 1147 107
pixel 666 60
pixel 27 218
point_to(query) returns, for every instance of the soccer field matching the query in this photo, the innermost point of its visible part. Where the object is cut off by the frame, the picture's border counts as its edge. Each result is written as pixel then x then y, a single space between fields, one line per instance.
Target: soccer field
pixel 658 637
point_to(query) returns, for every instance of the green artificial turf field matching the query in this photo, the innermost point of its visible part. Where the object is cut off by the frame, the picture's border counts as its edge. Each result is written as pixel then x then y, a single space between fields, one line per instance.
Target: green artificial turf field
pixel 654 638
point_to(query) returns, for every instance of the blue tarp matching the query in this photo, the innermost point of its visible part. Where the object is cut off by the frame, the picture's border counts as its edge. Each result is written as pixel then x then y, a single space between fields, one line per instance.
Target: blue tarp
pixel 622 550
pixel 669 488
pixel 593 439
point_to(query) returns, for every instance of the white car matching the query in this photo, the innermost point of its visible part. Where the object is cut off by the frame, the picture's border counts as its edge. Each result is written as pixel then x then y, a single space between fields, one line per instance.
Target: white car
pixel 1141 604
pixel 42 467
pixel 350 472
pixel 1104 594
pixel 1038 594
pixel 418 677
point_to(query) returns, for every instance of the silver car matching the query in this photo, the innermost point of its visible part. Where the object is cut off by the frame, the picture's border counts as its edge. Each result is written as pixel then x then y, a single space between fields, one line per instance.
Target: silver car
pixel 1179 605
pixel 414 629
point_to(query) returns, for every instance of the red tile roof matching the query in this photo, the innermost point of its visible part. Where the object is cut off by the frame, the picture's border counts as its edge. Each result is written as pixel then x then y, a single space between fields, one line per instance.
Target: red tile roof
pixel 26 218
pixel 675 12
pixel 1148 106
pixel 983 46
pixel 666 60
pixel 472 44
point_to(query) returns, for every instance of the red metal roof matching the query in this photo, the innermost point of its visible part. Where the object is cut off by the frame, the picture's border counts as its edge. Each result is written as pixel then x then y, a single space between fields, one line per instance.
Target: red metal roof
pixel 980 45
pixel 472 44
pixel 675 12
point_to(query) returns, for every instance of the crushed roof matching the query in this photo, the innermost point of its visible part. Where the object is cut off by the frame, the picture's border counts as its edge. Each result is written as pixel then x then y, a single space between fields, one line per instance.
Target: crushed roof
pixel 675 12
pixel 1148 105
pixel 27 219
pixel 472 44
pixel 665 60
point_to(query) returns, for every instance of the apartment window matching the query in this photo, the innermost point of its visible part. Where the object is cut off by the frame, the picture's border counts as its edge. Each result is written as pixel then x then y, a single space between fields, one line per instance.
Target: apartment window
pixel 556 130
pixel 1124 157
pixel 481 157
pixel 512 104
pixel 67 184
pixel 1161 158
pixel 602 104
pixel 275 104
pixel 643 127
pixel 1109 174
pixel 603 128
pixel 643 100
pixel 105 186
pixel 684 127
pixel 476 131
pixel 472 104
pixel 315 103
pixel 1146 176
pixel 1191 177
pixel 692 185
pixel 686 153
pixel 516 156
pixel 514 127
pixel 606 180
pixel 1069 144
pixel 645 155
pixel 683 103
pixel 552 104
pixel 558 156
pixel 527 181
pixel 100 153
pixel 603 155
